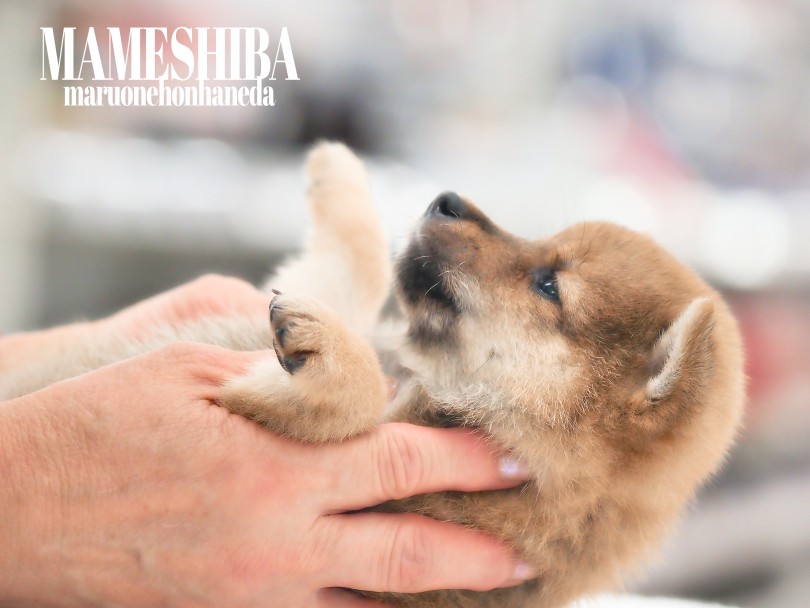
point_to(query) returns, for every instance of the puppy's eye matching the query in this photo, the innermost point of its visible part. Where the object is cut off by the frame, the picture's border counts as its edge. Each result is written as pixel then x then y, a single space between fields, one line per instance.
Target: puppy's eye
pixel 544 282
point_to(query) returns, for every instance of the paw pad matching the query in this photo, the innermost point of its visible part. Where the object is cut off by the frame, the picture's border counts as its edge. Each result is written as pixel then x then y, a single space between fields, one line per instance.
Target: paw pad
pixel 290 363
pixel 283 327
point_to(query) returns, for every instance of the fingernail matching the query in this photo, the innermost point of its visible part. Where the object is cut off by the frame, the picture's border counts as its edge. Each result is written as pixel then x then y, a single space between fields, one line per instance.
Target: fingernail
pixel 523 572
pixel 511 468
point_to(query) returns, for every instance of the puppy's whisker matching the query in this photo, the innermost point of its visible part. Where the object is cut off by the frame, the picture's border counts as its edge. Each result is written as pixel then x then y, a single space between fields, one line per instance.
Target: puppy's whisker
pixel 488 359
pixel 432 286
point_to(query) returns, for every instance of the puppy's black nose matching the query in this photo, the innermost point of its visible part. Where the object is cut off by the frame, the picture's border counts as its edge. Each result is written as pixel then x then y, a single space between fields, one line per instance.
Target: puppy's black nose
pixel 449 204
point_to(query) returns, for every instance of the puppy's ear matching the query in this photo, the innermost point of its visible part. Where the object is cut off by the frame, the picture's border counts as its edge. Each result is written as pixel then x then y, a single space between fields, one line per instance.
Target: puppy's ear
pixel 681 365
pixel 681 359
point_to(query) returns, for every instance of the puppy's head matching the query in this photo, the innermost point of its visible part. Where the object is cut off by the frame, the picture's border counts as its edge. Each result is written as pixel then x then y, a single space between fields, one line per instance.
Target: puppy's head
pixel 596 327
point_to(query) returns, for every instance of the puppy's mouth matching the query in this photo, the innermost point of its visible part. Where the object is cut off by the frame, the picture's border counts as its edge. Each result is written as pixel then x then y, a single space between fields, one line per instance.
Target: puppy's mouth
pixel 427 299
pixel 431 284
pixel 421 277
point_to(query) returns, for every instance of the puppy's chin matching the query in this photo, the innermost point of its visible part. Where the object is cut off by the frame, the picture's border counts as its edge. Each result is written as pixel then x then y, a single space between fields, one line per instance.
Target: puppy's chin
pixel 427 299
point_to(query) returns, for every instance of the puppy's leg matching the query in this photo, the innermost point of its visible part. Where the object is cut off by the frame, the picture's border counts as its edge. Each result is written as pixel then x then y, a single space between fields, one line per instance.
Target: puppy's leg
pixel 346 263
pixel 325 383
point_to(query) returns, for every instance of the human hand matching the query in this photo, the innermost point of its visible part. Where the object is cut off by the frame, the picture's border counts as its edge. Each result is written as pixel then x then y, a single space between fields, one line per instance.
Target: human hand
pixel 128 487
pixel 208 295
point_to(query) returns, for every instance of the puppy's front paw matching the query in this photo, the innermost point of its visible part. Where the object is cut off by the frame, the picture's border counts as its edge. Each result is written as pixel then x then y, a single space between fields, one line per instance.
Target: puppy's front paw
pixel 331 386
pixel 298 334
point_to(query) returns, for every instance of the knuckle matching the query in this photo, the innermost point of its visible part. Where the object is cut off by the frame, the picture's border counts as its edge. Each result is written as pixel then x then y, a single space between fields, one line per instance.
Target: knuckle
pixel 403 466
pixel 412 559
pixel 217 283
pixel 209 280
pixel 207 283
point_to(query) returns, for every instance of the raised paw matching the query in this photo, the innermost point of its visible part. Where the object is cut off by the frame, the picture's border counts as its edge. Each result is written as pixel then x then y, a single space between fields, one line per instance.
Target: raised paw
pixel 333 162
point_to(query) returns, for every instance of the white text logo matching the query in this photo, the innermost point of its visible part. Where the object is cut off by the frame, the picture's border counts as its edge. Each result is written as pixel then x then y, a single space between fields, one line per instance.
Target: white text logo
pixel 180 64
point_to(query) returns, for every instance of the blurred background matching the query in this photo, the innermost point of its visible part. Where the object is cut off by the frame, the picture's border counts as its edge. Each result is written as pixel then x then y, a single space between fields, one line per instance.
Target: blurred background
pixel 681 119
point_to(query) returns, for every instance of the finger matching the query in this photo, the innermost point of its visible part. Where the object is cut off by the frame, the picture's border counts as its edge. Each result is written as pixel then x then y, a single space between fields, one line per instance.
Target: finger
pixel 210 295
pixel 409 553
pixel 341 598
pixel 399 460
pixel 207 295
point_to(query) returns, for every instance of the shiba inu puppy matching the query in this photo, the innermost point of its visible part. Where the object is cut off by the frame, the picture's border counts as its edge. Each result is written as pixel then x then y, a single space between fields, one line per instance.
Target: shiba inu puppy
pixel 612 371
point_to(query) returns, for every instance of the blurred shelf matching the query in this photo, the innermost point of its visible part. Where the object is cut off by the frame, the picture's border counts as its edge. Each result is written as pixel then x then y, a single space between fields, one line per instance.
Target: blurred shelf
pixel 203 194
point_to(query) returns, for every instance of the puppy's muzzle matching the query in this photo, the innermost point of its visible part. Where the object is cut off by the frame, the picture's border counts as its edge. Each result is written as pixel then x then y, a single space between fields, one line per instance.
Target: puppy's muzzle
pixel 449 205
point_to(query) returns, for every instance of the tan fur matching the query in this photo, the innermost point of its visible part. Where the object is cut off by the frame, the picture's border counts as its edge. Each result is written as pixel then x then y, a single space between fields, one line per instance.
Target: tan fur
pixel 338 389
pixel 621 400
